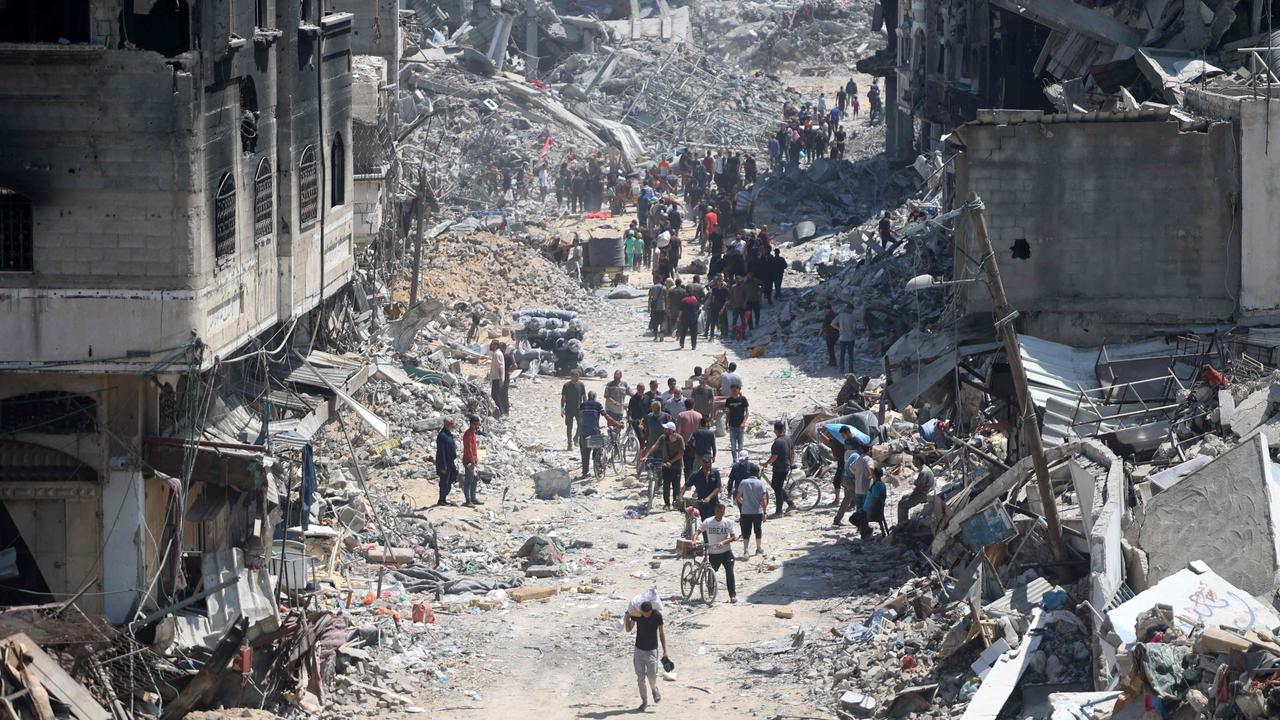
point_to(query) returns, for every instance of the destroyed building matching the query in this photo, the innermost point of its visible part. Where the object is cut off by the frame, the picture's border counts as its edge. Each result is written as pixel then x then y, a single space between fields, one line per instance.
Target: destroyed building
pixel 175 181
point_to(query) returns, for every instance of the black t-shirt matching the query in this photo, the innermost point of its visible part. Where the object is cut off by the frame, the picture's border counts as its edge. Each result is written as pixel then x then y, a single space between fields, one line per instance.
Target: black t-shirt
pixel 782 448
pixel 647 631
pixel 737 408
pixel 637 406
pixel 705 482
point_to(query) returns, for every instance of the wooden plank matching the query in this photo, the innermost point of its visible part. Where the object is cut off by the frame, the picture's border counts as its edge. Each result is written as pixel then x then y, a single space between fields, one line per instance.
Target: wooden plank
pixel 206 681
pixel 58 682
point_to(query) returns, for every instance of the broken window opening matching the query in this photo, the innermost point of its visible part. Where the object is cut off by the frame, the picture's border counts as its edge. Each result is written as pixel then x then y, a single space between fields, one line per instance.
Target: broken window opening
pixel 50 412
pixel 44 21
pixel 260 14
pixel 17 236
pixel 308 188
pixel 224 214
pixel 165 28
pixel 304 15
pixel 248 115
pixel 263 195
pixel 1021 249
pixel 338 173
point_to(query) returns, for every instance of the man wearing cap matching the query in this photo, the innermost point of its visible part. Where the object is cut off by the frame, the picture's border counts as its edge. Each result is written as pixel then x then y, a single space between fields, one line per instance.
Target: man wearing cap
pixel 670 448
pixel 741 470
pixel 706 483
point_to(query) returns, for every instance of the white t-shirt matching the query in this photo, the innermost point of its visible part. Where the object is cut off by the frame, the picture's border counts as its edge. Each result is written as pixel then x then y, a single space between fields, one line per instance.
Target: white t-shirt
pixel 846 323
pixel 717 532
pixel 728 380
pixel 497 365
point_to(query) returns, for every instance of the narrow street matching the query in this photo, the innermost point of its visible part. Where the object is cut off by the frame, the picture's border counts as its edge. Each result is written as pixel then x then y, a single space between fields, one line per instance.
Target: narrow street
pixel 567 656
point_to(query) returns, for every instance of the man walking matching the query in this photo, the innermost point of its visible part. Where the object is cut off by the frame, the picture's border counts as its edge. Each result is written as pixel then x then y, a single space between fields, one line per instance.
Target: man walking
pixel 704 398
pixel 669 447
pixel 446 460
pixel 590 412
pixel 470 457
pixel 921 488
pixel 741 470
pixel 687 421
pixel 753 504
pixel 736 409
pixel 497 377
pixel 636 407
pixel 719 535
pixel 615 397
pixel 782 457
pixel 645 658
pixel 572 393
pixel 706 484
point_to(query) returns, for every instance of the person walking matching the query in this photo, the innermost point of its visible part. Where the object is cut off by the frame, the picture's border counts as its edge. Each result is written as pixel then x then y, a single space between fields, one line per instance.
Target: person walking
pixel 782 457
pixel 741 470
pixel 706 484
pixel 687 421
pixel 704 398
pixel 572 393
pixel 645 657
pixel 703 440
pixel 446 460
pixel 844 325
pixel 753 508
pixel 657 310
pixel 736 409
pixel 921 489
pixel 590 413
pixel 615 397
pixel 719 536
pixel 690 310
pixel 729 379
pixel 470 457
pixel 637 405
pixel 669 448
pixel 654 421
pixel 497 378
pixel 848 465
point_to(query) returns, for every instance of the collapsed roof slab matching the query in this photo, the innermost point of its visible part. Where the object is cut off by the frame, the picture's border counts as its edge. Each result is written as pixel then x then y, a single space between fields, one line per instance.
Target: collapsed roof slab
pixel 1225 514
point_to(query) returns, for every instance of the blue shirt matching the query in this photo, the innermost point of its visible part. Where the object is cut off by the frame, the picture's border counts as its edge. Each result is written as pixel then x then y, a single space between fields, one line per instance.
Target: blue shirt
pixel 589 417
pixel 874 493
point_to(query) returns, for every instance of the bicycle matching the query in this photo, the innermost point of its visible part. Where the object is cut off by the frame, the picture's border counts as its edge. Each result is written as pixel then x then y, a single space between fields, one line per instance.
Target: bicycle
pixel 698 574
pixel 653 474
pixel 622 447
pixel 804 491
pixel 597 444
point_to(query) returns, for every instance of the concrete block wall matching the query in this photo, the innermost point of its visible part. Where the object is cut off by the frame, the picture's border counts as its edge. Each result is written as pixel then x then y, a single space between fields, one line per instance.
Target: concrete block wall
pixel 1128 225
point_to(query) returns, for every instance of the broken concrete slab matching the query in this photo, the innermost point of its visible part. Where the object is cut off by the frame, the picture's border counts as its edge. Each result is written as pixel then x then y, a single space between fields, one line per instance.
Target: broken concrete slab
pixel 552 483
pixel 389 556
pixel 1226 514
pixel 1197 594
pixel 1166 479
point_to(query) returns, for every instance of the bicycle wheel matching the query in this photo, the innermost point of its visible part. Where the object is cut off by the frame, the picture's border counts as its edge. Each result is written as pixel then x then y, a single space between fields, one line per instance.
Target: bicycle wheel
pixel 648 503
pixel 708 586
pixel 805 493
pixel 688 580
pixel 630 448
pixel 597 459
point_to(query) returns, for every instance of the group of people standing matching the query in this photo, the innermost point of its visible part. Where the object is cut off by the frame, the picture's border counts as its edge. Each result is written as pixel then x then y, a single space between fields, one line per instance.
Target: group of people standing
pixel 818 129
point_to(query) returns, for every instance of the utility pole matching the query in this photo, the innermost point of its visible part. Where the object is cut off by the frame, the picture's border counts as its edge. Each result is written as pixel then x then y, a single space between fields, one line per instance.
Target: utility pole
pixel 1026 408
pixel 417 238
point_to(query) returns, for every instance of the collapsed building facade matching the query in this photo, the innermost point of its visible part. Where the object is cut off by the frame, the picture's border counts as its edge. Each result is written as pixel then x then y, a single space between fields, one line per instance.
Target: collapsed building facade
pixel 177 182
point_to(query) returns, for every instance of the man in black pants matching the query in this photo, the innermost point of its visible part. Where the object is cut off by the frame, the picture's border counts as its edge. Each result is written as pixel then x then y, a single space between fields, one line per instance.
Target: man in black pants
pixel 782 456
pixel 670 449
pixel 719 535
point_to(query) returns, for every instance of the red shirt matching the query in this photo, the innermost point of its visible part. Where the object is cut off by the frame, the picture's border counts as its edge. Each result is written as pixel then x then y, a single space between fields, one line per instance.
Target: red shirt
pixel 713 222
pixel 470 447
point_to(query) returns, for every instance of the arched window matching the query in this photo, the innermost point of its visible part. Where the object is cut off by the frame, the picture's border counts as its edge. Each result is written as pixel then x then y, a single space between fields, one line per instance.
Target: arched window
pixel 224 218
pixel 248 115
pixel 308 187
pixel 338 172
pixel 263 197
pixel 17 243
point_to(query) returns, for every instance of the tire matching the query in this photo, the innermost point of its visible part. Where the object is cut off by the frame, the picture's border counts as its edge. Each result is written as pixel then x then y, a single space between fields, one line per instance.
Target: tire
pixel 648 504
pixel 805 493
pixel 688 579
pixel 708 585
pixel 630 448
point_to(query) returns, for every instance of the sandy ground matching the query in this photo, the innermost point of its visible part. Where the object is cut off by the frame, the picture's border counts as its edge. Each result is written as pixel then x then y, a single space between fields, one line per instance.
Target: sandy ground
pixel 566 657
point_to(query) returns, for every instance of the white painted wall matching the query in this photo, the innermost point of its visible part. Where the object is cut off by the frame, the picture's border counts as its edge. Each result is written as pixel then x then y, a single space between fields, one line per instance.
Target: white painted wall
pixel 122 543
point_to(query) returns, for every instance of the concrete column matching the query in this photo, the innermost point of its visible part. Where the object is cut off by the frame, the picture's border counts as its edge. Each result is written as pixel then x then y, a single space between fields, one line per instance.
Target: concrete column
pixel 531 39
pixel 501 35
pixel 898 131
pixel 122 517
